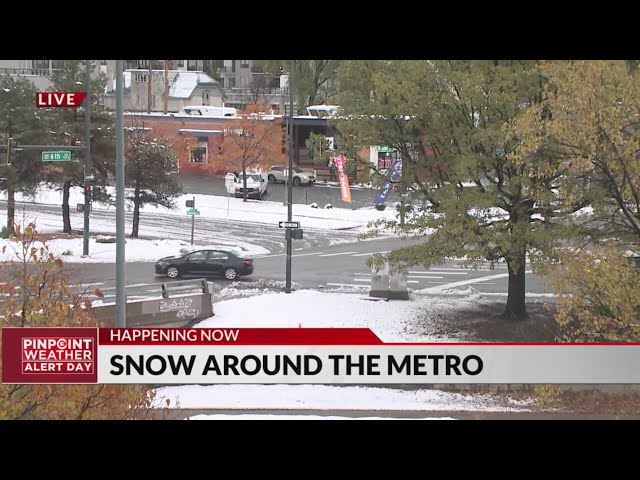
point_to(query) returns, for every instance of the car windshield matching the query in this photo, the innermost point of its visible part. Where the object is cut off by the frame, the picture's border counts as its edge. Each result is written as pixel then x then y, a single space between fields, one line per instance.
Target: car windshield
pixel 298 170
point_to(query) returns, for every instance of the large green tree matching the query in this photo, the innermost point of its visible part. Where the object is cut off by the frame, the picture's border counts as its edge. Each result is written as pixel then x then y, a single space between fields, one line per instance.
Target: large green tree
pixel 23 123
pixel 314 82
pixel 471 192
pixel 590 117
pixel 67 127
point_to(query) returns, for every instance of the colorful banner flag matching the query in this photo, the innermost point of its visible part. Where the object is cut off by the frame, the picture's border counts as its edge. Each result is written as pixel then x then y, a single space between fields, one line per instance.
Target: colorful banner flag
pixel 345 191
pixel 394 175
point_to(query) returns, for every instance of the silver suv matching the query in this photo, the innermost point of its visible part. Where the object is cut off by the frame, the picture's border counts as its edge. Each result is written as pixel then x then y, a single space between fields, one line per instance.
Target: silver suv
pixel 278 173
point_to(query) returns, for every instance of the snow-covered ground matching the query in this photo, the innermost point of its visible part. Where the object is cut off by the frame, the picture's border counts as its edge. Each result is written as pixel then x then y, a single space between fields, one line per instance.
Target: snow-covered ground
pixel 395 321
pixel 327 397
pixel 241 416
pixel 136 250
pixel 223 207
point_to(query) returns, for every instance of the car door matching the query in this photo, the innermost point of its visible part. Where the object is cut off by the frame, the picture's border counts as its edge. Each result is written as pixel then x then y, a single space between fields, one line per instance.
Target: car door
pixel 216 262
pixel 195 263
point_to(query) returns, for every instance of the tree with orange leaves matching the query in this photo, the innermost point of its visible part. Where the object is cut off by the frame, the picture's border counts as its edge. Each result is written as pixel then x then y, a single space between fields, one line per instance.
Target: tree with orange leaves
pixel 252 141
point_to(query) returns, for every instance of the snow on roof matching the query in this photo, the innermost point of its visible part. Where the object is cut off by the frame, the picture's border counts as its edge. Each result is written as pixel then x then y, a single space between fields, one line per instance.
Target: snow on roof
pixel 192 130
pixel 185 83
pixel 182 86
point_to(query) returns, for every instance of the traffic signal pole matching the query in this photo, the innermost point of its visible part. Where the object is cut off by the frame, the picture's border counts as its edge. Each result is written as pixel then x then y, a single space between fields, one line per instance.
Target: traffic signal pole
pixel 88 168
pixel 290 182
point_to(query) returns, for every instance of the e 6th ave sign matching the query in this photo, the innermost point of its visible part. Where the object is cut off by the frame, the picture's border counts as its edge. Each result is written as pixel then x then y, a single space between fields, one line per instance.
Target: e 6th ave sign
pixel 62 156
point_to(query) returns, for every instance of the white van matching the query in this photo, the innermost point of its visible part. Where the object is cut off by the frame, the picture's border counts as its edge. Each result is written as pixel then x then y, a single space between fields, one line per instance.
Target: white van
pixel 257 184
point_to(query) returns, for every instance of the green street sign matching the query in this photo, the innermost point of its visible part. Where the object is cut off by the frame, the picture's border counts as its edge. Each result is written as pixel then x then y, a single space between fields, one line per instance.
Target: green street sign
pixel 62 156
pixel 193 211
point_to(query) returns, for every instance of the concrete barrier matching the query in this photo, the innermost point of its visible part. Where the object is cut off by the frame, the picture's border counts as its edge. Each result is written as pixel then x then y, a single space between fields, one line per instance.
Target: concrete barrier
pixel 384 284
pixel 178 310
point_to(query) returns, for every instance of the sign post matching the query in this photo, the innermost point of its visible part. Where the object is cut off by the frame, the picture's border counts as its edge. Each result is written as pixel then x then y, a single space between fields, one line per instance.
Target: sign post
pixel 229 184
pixel 193 212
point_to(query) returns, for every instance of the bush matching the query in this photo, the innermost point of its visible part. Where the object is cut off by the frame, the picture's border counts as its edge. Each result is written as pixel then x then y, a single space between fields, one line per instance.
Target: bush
pixel 39 295
pixel 6 232
pixel 599 296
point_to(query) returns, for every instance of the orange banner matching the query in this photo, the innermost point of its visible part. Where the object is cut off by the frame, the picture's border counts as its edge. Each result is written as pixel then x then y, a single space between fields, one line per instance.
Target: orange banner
pixel 345 190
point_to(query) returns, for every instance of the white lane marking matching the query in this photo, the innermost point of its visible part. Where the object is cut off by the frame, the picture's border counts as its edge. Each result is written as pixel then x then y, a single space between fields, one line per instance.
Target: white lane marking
pixel 361 279
pixel 450 271
pixel 83 285
pixel 367 254
pixel 421 276
pixel 345 285
pixel 413 281
pixel 437 282
pixel 336 254
pixel 305 254
pixel 486 283
pixel 467 282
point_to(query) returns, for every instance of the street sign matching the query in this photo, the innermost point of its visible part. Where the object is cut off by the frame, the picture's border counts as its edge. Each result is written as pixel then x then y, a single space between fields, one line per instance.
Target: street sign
pixel 89 178
pixel 289 224
pixel 193 211
pixel 61 156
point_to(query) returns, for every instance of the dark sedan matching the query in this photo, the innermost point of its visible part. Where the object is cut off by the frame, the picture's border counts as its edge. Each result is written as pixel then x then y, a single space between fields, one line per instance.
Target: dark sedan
pixel 206 263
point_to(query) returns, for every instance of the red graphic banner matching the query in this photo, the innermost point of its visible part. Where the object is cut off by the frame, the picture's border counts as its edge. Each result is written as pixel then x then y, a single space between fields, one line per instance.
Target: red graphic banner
pixel 60 99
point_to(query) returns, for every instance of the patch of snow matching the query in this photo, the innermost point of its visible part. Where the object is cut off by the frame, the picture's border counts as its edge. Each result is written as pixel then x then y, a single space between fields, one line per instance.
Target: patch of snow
pixel 323 397
pixel 301 417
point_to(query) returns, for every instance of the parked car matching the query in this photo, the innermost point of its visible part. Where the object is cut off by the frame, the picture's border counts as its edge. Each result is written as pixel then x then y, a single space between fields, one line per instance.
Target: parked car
pixel 257 185
pixel 277 173
pixel 228 263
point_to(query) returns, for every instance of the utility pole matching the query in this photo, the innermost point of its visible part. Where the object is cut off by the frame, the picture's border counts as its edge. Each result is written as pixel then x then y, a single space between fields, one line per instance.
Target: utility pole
pixel 149 87
pixel 88 167
pixel 402 192
pixel 166 86
pixel 290 181
pixel 121 299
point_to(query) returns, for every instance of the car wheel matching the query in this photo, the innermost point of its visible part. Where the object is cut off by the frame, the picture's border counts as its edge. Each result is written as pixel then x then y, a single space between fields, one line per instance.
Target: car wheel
pixel 272 179
pixel 230 274
pixel 296 181
pixel 173 272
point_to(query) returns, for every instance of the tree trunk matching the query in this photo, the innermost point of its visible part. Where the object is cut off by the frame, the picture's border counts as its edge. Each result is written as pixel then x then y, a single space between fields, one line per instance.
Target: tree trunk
pixel 136 211
pixel 66 219
pixel 244 183
pixel 11 208
pixel 516 307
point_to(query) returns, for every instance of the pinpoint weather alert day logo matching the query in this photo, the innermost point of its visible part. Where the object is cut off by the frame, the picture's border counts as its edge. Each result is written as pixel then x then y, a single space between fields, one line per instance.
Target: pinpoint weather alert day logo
pixel 49 355
pixel 57 355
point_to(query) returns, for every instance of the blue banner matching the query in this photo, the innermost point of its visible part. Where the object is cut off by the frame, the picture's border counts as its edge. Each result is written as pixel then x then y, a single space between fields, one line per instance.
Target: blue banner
pixel 394 175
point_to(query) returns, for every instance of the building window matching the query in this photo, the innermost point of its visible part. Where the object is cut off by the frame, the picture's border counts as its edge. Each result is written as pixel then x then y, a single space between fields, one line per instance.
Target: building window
pixel 140 77
pixel 40 64
pixel 136 64
pixel 199 155
pixel 205 97
pixel 244 63
pixel 178 63
pixel 195 65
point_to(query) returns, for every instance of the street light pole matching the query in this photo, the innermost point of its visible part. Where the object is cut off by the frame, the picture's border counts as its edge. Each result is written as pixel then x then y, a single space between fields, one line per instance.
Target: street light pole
pixel 290 181
pixel 121 299
pixel 87 160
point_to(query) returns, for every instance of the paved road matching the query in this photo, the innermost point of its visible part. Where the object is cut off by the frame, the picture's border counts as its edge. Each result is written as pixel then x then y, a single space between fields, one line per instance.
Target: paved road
pixel 329 267
pixel 320 193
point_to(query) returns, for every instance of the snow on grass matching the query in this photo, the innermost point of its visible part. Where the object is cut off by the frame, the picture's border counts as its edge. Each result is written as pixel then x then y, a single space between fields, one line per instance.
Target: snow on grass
pixel 325 397
pixel 223 207
pixel 137 250
pixel 241 416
